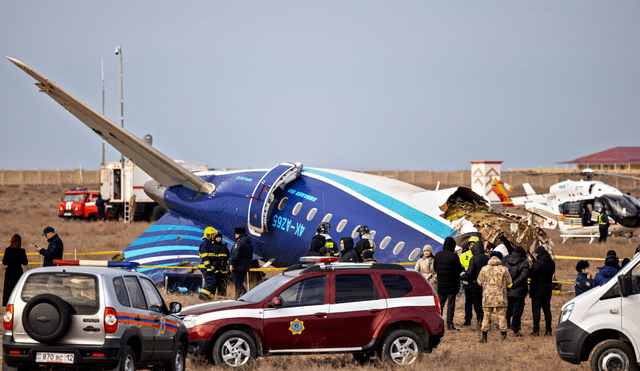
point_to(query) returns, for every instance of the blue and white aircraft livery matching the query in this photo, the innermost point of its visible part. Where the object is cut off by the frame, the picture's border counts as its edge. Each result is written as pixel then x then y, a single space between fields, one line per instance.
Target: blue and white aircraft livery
pixel 280 207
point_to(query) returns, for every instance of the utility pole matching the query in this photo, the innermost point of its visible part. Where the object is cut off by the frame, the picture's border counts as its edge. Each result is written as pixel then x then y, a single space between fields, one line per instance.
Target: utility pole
pixel 125 193
pixel 102 64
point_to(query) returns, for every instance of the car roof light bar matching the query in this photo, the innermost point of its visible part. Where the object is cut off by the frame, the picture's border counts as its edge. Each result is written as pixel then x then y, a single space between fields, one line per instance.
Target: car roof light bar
pixel 96 263
pixel 318 259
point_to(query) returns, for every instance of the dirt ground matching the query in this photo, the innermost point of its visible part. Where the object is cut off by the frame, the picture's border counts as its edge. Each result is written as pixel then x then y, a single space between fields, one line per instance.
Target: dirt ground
pixel 27 210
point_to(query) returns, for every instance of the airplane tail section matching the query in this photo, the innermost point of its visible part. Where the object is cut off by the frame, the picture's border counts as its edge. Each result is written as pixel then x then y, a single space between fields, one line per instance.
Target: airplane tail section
pixel 160 167
pixel 172 241
pixel 528 189
pixel 530 198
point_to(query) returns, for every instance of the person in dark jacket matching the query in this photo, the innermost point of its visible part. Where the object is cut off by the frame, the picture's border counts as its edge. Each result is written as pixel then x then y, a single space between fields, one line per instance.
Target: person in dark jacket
pixel 448 268
pixel 365 243
pixel 613 252
pixel 240 260
pixel 476 263
pixel 608 271
pixel 317 242
pixel 541 274
pixel 348 254
pixel 54 250
pixel 518 267
pixel 625 261
pixel 220 261
pixel 101 208
pixel 584 282
pixel 14 258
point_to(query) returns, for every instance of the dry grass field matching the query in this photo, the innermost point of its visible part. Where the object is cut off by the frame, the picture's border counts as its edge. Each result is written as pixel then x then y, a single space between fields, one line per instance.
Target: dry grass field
pixel 27 210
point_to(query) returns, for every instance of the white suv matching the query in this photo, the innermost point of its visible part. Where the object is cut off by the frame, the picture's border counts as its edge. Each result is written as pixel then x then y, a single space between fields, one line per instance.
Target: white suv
pixel 98 318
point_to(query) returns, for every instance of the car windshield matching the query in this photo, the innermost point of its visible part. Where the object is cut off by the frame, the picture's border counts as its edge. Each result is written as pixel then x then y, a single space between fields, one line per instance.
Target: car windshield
pixel 265 289
pixel 79 197
pixel 78 289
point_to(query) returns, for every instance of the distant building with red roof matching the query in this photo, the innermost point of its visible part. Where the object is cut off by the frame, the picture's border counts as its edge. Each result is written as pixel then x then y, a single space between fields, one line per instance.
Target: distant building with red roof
pixel 618 158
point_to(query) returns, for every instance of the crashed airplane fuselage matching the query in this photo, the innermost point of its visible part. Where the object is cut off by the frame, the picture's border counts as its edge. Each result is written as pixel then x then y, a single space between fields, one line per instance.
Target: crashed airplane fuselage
pixel 280 207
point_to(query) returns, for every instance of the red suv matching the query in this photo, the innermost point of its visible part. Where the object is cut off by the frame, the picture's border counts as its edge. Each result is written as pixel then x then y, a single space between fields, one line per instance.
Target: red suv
pixel 360 308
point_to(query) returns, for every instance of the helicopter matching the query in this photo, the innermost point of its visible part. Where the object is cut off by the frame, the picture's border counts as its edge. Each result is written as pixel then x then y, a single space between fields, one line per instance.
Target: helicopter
pixel 574 206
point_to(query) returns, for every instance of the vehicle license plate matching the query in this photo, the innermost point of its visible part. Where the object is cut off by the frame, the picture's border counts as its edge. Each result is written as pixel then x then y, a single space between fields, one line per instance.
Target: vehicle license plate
pixel 54 357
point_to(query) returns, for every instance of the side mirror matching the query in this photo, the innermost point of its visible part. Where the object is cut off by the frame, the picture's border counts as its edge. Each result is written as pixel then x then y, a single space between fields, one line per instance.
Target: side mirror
pixel 175 307
pixel 624 283
pixel 275 302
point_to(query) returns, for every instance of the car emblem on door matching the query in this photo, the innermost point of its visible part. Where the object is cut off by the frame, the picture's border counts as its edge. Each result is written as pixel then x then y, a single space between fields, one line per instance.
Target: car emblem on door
pixel 296 327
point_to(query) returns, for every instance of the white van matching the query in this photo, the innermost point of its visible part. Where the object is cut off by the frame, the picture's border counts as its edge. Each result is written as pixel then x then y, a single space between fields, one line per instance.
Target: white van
pixel 603 324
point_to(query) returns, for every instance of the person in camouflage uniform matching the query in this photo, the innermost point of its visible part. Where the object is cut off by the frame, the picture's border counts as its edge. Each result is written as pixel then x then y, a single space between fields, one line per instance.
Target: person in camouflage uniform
pixel 494 279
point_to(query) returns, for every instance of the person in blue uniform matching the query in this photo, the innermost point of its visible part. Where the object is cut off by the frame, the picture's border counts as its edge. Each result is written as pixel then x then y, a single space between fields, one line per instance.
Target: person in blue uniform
pixel 584 282
pixel 240 260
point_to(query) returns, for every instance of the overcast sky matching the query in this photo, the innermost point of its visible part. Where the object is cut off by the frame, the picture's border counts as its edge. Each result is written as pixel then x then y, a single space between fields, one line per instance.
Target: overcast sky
pixel 359 85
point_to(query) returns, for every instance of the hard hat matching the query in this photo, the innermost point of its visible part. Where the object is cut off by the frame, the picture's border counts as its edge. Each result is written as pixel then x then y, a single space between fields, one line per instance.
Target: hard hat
pixel 209 232
pixel 363 229
pixel 324 227
pixel 473 239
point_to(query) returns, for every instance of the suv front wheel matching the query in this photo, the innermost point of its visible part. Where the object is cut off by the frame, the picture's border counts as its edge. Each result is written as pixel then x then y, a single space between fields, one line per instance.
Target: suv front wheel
pixel 234 349
pixel 177 362
pixel 402 347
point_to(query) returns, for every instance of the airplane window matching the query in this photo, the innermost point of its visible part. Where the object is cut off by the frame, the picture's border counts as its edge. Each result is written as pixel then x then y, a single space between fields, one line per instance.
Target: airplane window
pixel 385 242
pixel 312 213
pixel 341 225
pixel 373 234
pixel 398 248
pixel 296 209
pixel 415 253
pixel 282 203
pixel 327 218
pixel 355 233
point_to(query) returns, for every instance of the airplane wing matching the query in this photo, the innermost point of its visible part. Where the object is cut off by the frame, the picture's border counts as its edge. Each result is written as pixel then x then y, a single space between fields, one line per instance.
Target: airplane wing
pixel 160 167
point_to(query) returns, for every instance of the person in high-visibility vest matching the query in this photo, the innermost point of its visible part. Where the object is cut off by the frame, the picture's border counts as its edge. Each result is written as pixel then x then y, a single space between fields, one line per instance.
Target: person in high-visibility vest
pixel 206 267
pixel 465 257
pixel 603 224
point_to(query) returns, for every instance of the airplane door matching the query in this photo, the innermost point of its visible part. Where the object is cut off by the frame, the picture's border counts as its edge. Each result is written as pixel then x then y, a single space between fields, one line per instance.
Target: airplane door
pixel 106 181
pixel 263 194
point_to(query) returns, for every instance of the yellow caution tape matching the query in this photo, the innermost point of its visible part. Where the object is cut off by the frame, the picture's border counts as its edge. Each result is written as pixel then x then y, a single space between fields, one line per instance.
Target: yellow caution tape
pixel 576 258
pixel 80 253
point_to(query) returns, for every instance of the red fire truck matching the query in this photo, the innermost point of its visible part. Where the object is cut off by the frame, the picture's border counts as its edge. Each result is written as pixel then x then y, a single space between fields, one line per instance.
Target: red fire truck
pixel 79 203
